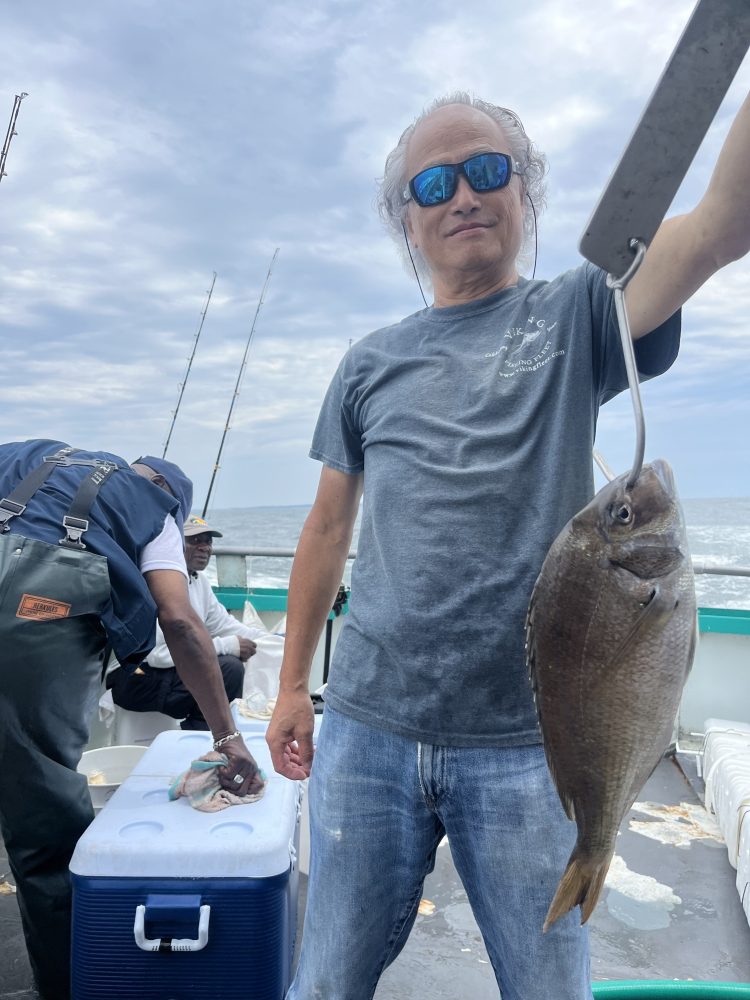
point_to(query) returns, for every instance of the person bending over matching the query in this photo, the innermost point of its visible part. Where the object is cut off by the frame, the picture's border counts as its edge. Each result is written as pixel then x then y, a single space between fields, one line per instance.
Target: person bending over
pixel 91 554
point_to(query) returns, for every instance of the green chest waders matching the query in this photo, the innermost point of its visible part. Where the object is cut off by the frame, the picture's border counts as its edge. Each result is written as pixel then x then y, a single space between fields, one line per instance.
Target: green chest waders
pixel 51 650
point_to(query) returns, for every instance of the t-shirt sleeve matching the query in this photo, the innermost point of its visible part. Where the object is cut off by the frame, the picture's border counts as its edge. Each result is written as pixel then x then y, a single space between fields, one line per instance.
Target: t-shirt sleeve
pixel 654 353
pixel 337 441
pixel 166 551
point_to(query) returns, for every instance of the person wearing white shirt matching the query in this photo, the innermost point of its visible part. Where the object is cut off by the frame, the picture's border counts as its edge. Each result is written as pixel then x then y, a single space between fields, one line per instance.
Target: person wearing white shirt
pixel 156 686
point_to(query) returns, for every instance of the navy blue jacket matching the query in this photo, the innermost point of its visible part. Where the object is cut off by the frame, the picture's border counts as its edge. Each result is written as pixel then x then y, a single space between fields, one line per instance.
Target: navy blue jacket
pixel 129 512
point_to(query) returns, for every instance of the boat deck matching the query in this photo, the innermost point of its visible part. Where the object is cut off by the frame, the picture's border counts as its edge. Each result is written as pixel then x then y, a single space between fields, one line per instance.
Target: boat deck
pixel 670 910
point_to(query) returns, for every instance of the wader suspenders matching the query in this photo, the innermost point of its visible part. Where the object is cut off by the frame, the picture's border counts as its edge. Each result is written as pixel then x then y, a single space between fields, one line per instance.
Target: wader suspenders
pixel 75 521
pixel 15 504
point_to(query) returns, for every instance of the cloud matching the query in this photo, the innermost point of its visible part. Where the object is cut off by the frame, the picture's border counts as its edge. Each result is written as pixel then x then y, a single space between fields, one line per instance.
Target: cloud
pixel 162 143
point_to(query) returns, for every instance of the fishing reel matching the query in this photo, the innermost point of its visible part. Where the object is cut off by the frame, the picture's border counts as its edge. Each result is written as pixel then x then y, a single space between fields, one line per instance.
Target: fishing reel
pixel 340 600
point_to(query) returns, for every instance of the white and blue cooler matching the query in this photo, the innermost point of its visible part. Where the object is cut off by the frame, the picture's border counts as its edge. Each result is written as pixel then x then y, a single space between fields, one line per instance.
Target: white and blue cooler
pixel 170 903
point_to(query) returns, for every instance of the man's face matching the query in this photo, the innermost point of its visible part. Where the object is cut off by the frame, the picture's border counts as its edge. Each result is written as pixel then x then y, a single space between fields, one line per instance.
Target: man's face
pixel 153 477
pixel 473 232
pixel 198 549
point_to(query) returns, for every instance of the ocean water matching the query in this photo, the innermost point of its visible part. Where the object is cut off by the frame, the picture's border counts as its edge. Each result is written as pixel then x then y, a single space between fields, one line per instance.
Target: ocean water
pixel 718 532
pixel 268 528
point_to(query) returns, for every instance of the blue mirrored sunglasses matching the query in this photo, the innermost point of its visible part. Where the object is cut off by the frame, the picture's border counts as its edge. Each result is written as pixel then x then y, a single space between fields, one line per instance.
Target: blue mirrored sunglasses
pixel 484 172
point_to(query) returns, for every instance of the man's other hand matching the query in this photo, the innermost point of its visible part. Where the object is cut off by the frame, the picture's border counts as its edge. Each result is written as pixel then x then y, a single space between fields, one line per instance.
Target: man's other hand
pixel 290 735
pixel 247 648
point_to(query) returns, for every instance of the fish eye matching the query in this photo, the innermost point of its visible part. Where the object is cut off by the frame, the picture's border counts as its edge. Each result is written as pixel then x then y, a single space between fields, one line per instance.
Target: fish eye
pixel 621 512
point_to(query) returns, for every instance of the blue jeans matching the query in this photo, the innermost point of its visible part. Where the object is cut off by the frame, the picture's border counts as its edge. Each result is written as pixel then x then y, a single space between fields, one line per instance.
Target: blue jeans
pixel 379 806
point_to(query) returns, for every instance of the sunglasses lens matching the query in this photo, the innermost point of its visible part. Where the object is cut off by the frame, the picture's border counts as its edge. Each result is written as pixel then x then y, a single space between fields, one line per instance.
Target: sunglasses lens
pixel 434 186
pixel 484 172
pixel 488 171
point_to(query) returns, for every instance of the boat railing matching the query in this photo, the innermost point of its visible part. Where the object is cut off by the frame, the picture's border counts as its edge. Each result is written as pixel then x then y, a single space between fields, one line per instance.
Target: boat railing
pixel 232 569
pixel 719 682
pixel 234 550
pixel 231 562
pixel 719 569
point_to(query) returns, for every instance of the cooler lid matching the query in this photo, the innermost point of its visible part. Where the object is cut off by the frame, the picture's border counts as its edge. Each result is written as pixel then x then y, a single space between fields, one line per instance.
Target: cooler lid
pixel 141 834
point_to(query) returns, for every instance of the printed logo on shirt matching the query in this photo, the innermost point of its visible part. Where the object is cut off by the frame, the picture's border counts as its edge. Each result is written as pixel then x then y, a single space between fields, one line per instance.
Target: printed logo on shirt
pixel 42 609
pixel 527 348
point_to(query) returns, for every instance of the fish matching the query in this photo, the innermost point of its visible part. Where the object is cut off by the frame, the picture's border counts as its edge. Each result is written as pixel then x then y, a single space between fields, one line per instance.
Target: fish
pixel 611 631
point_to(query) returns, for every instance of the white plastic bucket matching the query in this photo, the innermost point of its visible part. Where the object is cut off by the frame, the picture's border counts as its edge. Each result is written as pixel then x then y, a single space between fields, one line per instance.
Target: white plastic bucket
pixel 106 768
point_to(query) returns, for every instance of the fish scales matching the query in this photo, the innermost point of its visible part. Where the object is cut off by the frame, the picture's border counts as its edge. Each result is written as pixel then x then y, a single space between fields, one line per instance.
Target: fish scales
pixel 610 640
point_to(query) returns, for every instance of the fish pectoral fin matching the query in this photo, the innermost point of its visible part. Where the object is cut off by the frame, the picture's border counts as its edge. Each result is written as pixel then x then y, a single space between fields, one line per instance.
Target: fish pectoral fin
pixel 654 613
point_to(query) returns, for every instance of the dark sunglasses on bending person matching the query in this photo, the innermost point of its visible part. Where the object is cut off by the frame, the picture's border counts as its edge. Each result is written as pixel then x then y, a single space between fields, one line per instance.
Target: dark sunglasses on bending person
pixel 484 172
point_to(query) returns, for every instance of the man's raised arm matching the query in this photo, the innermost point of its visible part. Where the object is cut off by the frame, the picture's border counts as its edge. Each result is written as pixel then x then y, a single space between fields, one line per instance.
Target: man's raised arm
pixel 688 249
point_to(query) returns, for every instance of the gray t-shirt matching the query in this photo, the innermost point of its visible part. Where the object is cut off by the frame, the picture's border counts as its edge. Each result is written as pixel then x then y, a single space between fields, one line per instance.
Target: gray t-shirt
pixel 474 426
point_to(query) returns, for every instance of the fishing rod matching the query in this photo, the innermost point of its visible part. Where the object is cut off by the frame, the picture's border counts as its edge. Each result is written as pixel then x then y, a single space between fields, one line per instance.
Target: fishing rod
pixel 190 365
pixel 236 392
pixel 11 131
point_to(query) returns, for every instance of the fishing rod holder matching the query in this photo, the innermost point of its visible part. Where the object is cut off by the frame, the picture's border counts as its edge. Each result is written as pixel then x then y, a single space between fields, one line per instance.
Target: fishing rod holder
pixel 339 602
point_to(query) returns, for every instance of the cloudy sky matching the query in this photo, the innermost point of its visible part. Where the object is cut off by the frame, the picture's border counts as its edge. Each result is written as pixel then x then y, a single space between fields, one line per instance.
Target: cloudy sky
pixel 162 142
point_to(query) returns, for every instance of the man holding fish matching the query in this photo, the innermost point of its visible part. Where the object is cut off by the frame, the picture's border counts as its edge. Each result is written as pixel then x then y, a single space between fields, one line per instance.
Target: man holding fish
pixel 468 428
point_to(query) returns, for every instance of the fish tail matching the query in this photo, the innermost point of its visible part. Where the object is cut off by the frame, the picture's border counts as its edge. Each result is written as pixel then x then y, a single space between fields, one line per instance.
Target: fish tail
pixel 580 885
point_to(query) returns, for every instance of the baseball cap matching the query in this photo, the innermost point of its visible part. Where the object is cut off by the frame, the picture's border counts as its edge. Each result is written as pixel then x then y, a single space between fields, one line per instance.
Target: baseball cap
pixel 179 484
pixel 195 525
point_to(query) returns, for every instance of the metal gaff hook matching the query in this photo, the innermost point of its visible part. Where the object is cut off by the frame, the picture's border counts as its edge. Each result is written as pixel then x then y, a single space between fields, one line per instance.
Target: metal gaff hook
pixel 618 285
pixel 604 467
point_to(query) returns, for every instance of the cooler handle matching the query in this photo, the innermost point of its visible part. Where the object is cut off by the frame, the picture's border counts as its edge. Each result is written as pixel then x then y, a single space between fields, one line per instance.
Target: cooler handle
pixel 170 944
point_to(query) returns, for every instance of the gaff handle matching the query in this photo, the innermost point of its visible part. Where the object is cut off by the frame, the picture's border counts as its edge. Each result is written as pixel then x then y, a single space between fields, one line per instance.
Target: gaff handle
pixel 170 944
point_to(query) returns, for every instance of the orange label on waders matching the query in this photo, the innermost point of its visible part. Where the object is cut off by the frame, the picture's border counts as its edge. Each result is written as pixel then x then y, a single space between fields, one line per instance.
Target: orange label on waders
pixel 42 609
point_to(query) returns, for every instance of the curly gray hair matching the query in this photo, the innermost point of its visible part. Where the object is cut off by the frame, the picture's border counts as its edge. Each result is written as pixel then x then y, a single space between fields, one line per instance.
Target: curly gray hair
pixel 392 205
